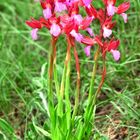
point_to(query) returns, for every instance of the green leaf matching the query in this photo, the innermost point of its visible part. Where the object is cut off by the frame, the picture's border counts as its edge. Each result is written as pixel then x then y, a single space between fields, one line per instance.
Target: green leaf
pixel 6 126
pixel 2 136
pixel 42 131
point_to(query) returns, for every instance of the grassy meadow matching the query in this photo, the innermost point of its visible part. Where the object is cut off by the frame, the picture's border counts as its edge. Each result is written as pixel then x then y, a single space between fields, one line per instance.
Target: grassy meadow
pixel 23 76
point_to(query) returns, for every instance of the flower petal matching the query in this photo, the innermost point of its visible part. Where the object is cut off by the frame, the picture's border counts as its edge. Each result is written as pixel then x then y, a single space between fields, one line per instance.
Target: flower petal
pixel 78 37
pixel 87 2
pixel 89 30
pixel 116 54
pixel 47 13
pixel 34 34
pixel 88 41
pixel 59 7
pixel 87 50
pixel 55 30
pixel 78 19
pixel 123 7
pixel 124 17
pixel 111 10
pixel 106 32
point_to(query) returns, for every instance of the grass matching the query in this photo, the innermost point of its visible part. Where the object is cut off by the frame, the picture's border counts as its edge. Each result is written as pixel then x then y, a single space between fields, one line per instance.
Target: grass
pixel 22 76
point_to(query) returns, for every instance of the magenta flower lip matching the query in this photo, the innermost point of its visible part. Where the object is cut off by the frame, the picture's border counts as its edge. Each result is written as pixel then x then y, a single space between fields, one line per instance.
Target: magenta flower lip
pixel 47 13
pixel 55 29
pixel 34 34
pixel 87 50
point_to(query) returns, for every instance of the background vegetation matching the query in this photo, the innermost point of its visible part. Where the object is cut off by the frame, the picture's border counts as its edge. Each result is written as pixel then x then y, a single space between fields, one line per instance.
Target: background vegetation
pixel 22 76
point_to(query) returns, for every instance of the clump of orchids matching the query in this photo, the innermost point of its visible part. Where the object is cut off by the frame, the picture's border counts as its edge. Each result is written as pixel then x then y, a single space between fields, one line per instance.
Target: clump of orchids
pixel 63 17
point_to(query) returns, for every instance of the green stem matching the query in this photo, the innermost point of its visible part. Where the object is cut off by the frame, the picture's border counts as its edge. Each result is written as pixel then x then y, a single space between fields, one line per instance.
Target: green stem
pixel 67 84
pixel 63 81
pixel 56 78
pixel 61 94
pixel 62 87
pixel 92 82
pixel 102 81
pixel 94 97
pixel 50 71
pixel 50 82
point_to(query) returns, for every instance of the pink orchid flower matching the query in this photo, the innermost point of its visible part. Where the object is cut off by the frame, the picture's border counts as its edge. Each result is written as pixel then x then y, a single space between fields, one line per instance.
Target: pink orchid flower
pixel 111 9
pixel 35 25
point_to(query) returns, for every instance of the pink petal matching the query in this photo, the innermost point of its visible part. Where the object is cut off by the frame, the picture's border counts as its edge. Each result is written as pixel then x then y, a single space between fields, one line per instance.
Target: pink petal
pixel 87 50
pixel 34 34
pixel 59 7
pixel 116 54
pixel 70 2
pixel 124 17
pixel 89 30
pixel 78 37
pixel 106 32
pixel 55 30
pixel 78 19
pixel 111 10
pixel 73 33
pixel 47 13
pixel 87 2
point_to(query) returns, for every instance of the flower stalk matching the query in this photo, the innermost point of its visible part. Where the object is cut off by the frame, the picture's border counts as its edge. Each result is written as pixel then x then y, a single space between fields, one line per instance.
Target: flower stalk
pixel 67 84
pixel 77 92
pixel 63 80
pixel 52 57
pixel 92 82
pixel 91 94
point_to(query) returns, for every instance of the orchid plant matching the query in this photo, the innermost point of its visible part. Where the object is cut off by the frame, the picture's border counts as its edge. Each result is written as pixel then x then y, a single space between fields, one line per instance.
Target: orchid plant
pixel 63 17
